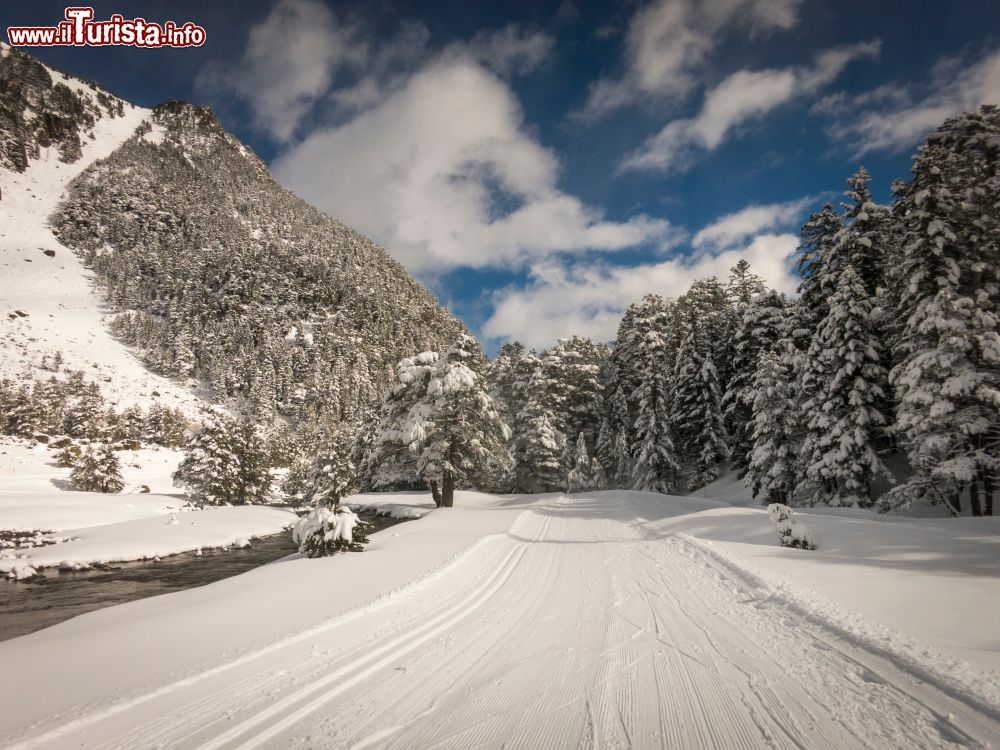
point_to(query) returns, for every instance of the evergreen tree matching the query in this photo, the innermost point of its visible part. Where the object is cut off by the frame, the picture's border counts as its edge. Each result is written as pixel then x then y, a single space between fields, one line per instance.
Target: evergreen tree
pixel 655 468
pixel 947 282
pixel 453 430
pixel 210 470
pixel 819 236
pixel 332 476
pixel 98 470
pixel 772 473
pixel 580 477
pixel 599 478
pixel 697 409
pixel 759 330
pixel 328 530
pixel 839 457
pixel 541 449
pixel 623 460
pixel 605 448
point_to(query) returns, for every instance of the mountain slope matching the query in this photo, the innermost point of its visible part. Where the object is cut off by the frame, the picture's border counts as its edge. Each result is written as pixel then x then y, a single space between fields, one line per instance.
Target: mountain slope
pixel 218 276
pixel 52 127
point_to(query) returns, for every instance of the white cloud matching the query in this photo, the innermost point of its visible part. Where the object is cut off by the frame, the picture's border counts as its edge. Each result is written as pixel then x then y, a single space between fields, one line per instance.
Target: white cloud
pixel 899 119
pixel 289 62
pixel 589 299
pixel 509 51
pixel 752 220
pixel 743 96
pixel 443 173
pixel 668 41
pixel 506 51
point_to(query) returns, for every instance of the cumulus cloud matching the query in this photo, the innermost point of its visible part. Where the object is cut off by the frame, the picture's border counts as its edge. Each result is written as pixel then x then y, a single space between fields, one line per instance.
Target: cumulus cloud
pixel 667 41
pixel 289 62
pixel 737 227
pixel 892 118
pixel 443 172
pixel 590 298
pixel 507 52
pixel 741 97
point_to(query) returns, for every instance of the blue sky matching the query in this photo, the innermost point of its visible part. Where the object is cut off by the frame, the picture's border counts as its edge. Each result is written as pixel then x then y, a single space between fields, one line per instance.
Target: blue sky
pixel 540 165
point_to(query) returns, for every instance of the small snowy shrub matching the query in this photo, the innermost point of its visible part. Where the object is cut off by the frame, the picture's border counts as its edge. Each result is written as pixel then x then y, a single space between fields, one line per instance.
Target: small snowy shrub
pixel 326 531
pixel 792 533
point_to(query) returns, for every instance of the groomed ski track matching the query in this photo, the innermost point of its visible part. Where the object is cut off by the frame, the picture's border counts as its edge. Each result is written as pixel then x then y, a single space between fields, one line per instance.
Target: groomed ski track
pixel 575 628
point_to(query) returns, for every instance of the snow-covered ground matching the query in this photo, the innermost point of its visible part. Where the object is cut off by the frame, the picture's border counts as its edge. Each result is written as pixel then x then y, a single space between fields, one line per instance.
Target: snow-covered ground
pixel 604 619
pixel 103 528
pixel 50 304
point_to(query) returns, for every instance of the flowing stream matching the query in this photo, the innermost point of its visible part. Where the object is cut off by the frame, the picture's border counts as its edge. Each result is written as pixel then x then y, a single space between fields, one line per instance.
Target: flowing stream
pixel 57 595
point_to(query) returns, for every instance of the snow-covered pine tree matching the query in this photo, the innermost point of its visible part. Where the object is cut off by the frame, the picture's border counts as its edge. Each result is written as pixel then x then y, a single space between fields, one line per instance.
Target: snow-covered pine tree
pixel 599 478
pixel 865 238
pixel 622 477
pixel 772 473
pixel 575 367
pixel 327 530
pixel 707 303
pixel 839 458
pixel 758 331
pixel 580 477
pixel 452 431
pixel 98 470
pixel 652 313
pixel 604 450
pixel 947 281
pixel 391 461
pixel 254 478
pixel 331 527
pixel 541 448
pixel 743 286
pixel 209 471
pixel 655 467
pixel 696 409
pixel 332 476
pixel 819 235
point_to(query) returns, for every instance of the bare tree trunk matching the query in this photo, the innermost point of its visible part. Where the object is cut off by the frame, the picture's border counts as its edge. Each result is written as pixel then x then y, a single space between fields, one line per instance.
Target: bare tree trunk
pixel 988 488
pixel 448 490
pixel 974 499
pixel 956 502
pixel 435 492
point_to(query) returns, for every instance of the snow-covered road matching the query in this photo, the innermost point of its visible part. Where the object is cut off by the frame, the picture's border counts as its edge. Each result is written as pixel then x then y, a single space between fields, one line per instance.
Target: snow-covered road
pixel 574 628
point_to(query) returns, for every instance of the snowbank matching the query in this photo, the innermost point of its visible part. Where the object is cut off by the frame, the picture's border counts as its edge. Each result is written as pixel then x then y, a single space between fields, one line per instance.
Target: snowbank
pixel 934 579
pixel 402 505
pixel 159 536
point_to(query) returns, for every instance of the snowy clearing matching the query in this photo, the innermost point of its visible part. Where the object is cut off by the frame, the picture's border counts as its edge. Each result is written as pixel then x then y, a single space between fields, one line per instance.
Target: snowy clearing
pixel 34 494
pixel 105 528
pixel 604 619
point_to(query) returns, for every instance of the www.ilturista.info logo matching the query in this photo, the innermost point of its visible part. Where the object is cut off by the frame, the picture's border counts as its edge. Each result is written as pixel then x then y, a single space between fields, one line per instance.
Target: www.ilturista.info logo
pixel 80 30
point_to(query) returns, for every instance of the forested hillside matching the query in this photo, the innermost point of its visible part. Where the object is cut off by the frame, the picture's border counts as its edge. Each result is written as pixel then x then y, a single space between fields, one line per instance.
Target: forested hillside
pixel 223 276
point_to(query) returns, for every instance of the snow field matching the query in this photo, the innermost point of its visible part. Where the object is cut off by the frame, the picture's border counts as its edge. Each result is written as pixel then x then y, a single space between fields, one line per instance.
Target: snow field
pixel 540 621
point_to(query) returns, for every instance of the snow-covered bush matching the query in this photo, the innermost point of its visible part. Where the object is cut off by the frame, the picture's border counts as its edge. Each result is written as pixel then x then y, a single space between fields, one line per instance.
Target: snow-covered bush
pixel 326 531
pixel 791 532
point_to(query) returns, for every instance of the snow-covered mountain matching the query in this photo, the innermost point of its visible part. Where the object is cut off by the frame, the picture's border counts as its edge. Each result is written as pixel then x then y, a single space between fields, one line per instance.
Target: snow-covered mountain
pixel 154 250
pixel 52 127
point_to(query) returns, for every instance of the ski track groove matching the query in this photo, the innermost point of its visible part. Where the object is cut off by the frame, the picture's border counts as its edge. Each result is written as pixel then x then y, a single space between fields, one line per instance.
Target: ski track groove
pixel 571 630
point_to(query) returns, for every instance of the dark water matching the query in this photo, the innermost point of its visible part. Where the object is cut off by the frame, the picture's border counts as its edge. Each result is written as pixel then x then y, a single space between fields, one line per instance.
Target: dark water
pixel 55 596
